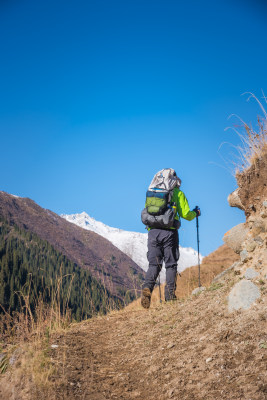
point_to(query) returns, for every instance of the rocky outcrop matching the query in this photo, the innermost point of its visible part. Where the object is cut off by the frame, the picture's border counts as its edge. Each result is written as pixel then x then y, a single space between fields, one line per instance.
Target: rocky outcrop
pixel 234 200
pixel 249 239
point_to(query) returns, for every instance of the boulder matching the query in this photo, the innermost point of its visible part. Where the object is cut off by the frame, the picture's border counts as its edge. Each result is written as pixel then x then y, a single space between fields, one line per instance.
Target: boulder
pixel 235 237
pixel 243 295
pixel 234 200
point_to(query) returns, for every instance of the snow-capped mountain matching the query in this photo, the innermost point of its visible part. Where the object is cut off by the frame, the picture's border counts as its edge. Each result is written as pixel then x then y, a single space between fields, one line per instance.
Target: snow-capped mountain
pixel 134 244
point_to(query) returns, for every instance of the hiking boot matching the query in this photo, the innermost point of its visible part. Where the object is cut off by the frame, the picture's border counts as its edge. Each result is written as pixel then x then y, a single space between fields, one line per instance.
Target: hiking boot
pixel 172 300
pixel 145 298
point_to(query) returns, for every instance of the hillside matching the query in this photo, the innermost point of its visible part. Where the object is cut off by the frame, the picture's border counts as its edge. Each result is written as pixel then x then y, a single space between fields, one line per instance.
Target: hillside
pixel 117 272
pixel 34 274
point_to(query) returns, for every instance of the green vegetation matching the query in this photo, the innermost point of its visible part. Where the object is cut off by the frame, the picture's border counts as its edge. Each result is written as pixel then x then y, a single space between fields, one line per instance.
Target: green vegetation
pixel 32 272
pixel 215 286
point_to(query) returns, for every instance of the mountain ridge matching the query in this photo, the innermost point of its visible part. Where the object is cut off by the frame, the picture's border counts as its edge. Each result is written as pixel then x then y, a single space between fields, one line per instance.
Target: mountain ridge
pixel 87 249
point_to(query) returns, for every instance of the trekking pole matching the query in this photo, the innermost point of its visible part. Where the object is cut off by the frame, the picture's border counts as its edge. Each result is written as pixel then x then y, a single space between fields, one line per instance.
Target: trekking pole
pixel 199 284
pixel 160 267
pixel 159 291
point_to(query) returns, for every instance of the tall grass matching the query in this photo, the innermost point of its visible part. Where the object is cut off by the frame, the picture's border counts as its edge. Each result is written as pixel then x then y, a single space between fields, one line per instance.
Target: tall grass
pixel 39 319
pixel 253 140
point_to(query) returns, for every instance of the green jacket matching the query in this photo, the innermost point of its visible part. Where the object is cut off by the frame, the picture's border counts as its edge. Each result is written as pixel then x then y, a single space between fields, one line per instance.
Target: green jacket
pixel 182 205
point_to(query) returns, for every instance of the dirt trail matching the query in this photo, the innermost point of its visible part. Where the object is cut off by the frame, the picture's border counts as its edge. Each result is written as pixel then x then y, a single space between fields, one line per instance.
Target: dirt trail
pixel 186 350
pixel 100 360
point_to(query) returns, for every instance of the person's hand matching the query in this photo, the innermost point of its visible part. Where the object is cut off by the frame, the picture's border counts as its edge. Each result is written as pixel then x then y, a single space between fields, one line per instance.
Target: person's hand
pixel 197 211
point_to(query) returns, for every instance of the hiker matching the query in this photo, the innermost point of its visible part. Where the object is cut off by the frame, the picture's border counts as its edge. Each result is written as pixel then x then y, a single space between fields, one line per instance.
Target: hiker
pixel 165 205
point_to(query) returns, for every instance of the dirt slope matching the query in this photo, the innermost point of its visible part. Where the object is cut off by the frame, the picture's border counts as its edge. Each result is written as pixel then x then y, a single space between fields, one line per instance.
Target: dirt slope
pixel 252 185
pixel 164 353
pixel 191 350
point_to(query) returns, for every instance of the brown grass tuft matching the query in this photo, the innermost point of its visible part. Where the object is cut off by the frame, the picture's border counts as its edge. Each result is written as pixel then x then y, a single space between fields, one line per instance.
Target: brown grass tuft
pixel 253 140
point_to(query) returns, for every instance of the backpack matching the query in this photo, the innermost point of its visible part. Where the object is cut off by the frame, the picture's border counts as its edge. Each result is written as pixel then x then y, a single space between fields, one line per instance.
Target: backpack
pixel 158 211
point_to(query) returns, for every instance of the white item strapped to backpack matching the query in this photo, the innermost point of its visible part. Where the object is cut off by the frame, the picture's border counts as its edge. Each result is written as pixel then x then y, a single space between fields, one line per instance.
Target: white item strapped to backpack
pixel 165 179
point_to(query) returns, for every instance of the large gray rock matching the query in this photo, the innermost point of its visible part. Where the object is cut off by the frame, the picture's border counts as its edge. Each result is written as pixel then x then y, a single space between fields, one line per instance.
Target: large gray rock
pixel 251 273
pixel 243 295
pixel 234 200
pixel 235 237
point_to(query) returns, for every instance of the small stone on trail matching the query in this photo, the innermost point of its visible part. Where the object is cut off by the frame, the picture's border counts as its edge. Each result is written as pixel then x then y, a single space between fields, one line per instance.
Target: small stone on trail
pixel 251 273
pixel 244 256
pixel 258 226
pixel 54 346
pixel 198 290
pixel 258 240
pixel 170 346
pixel 208 359
pixel 251 246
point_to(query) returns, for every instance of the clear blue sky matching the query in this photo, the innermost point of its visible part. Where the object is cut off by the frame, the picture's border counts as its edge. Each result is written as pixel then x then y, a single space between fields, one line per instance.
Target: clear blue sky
pixel 97 96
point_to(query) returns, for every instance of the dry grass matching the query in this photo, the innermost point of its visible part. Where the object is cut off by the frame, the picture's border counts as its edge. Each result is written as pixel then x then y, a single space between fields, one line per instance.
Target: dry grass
pixel 37 321
pixel 253 140
pixel 26 338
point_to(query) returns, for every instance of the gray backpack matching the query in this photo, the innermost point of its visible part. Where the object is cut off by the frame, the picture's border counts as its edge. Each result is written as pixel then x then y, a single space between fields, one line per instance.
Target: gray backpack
pixel 159 212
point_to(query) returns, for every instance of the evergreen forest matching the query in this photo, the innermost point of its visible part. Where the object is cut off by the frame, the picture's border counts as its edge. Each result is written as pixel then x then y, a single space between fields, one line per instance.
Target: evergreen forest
pixel 32 271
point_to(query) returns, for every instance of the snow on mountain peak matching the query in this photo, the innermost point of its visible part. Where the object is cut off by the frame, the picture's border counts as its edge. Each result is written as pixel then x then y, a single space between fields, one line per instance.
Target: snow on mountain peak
pixel 134 244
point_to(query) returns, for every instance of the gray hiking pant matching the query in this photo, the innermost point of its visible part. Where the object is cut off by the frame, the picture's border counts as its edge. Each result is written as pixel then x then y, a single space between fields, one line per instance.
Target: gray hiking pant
pixel 162 245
